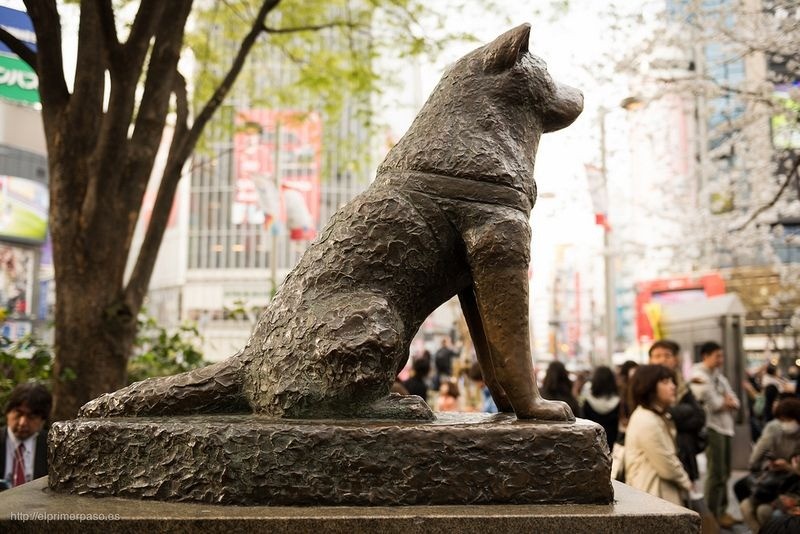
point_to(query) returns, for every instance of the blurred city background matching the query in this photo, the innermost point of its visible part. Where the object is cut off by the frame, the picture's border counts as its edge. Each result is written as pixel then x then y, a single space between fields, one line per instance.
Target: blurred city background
pixel 670 208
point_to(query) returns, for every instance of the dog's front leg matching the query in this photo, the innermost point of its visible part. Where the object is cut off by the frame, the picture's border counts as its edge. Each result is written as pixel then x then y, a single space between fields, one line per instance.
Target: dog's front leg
pixel 498 255
pixel 469 307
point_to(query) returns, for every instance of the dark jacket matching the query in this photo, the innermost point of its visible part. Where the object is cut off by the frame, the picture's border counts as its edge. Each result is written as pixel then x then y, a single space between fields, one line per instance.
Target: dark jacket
pixel 604 412
pixel 690 420
pixel 39 457
pixel 417 386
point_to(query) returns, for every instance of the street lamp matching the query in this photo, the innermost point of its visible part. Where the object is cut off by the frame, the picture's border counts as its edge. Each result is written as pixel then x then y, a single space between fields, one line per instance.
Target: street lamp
pixel 629 104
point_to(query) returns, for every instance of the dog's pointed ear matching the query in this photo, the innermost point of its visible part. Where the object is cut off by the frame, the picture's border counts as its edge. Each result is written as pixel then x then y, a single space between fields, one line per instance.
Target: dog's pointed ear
pixel 502 53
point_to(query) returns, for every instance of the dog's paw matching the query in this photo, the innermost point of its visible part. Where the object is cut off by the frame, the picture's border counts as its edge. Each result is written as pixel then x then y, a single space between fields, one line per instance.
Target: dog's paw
pixel 99 407
pixel 548 410
pixel 108 405
pixel 395 406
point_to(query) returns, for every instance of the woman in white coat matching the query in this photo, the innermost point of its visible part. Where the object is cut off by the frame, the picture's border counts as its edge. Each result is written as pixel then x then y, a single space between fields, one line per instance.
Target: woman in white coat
pixel 651 459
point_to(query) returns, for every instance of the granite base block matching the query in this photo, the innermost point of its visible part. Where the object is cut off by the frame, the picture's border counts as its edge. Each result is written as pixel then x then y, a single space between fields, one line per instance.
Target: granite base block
pixel 247 460
pixel 34 508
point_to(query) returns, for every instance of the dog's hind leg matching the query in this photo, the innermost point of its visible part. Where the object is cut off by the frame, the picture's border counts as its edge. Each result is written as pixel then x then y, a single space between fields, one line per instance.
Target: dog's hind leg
pixel 350 352
pixel 216 388
pixel 498 255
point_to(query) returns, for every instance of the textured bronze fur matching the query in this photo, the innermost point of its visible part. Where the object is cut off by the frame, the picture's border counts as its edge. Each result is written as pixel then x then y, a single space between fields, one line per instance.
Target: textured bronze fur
pixel 447 215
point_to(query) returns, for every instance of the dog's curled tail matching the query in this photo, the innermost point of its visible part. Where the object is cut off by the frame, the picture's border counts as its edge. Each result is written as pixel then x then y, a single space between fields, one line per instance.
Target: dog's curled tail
pixel 216 388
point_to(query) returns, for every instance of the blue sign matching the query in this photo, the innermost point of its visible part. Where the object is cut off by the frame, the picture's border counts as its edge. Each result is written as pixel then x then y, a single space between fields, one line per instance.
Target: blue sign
pixel 18 24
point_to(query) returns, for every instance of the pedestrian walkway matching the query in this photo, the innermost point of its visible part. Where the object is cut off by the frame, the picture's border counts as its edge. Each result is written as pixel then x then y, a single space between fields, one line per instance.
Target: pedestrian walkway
pixel 733 504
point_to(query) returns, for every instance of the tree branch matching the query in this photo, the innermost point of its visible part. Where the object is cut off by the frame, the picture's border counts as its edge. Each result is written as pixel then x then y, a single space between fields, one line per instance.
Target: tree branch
pixel 224 87
pixel 791 174
pixel 97 46
pixel 125 70
pixel 50 64
pixel 142 31
pixel 161 71
pixel 109 29
pixel 180 150
pixel 311 27
pixel 21 49
pixel 150 120
pixel 148 128
pixel 86 107
pixel 181 105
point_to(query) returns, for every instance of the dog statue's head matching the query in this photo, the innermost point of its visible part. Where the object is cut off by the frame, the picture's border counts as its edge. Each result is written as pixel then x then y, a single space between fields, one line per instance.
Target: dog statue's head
pixel 484 118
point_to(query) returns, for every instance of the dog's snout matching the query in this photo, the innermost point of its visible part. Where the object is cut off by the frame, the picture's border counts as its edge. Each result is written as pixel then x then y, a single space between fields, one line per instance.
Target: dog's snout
pixel 566 105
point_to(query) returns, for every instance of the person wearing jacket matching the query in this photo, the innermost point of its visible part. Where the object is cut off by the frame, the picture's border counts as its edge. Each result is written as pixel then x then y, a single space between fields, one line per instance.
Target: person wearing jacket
pixel 601 402
pixel 651 456
pixel 776 451
pixel 687 414
pixel 24 438
pixel 558 386
pixel 719 400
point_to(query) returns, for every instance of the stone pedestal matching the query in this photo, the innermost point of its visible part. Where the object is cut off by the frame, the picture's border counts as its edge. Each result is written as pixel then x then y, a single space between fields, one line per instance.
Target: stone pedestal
pixel 247 460
pixel 34 508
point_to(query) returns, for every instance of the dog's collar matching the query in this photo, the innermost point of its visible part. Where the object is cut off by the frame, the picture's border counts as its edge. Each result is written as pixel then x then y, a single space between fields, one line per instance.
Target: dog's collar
pixel 442 185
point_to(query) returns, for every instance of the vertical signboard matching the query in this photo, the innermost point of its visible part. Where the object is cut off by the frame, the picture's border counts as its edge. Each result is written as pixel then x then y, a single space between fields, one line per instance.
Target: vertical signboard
pixel 18 81
pixel 278 157
pixel 16 290
pixel 23 210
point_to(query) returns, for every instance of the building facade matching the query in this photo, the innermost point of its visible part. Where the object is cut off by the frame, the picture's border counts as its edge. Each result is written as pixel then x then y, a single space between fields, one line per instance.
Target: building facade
pixel 731 155
pixel 26 267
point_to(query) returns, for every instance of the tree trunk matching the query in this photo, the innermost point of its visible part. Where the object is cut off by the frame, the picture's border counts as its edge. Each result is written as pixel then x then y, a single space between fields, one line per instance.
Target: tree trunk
pixel 92 342
pixel 95 326
pixel 101 143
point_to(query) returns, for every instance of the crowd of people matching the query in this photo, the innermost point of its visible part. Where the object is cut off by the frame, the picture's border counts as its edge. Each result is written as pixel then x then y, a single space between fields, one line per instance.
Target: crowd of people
pixel 658 417
pixel 664 419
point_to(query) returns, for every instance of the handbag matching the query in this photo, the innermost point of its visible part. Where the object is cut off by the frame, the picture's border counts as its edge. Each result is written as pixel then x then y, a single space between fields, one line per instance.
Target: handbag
pixel 701 440
pixel 767 485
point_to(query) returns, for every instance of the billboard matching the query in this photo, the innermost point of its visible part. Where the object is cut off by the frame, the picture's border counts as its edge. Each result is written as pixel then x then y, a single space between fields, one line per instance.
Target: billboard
pixel 23 210
pixel 651 294
pixel 278 160
pixel 18 81
pixel 16 278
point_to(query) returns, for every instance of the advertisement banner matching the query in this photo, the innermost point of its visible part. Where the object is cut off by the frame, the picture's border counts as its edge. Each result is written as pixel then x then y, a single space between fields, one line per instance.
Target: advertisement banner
pixel 16 276
pixel 669 290
pixel 278 160
pixel 18 81
pixel 23 209
pixel 599 195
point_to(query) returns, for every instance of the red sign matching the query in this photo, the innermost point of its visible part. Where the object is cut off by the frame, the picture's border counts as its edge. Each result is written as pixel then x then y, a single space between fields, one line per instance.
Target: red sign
pixel 679 289
pixel 278 160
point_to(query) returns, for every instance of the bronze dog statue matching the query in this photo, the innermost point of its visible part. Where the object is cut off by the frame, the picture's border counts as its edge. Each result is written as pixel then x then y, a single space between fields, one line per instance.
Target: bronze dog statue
pixel 447 215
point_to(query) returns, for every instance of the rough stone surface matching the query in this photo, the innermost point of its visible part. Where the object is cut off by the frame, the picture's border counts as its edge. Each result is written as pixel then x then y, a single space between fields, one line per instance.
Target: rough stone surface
pixel 458 459
pixel 448 214
pixel 632 512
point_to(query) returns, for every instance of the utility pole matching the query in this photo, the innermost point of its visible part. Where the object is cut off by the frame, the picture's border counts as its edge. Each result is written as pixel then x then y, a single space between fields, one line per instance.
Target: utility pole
pixel 701 113
pixel 273 259
pixel 608 259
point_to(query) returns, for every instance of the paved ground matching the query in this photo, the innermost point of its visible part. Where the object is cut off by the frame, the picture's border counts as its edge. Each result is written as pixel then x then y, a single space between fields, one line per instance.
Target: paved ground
pixel 733 504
